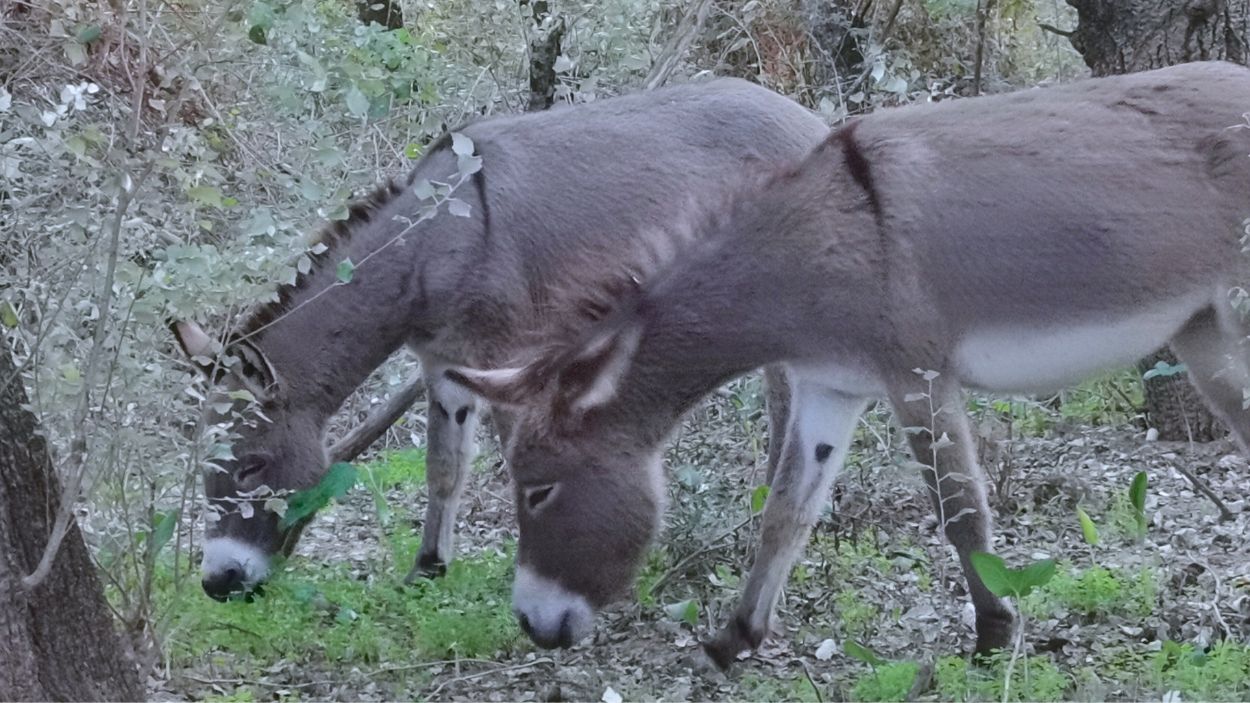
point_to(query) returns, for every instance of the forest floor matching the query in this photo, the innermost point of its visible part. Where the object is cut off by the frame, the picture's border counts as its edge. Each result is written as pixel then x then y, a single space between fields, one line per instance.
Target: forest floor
pixel 1160 616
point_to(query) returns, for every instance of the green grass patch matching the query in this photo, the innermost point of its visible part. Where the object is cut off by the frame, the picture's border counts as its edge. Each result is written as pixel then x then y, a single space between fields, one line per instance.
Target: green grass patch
pixel 405 467
pixel 1034 678
pixel 1221 673
pixel 889 682
pixel 1095 592
pixel 756 687
pixel 322 614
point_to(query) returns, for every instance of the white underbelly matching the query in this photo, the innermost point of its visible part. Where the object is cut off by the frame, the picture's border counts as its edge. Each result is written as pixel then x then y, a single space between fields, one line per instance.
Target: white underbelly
pixel 1022 359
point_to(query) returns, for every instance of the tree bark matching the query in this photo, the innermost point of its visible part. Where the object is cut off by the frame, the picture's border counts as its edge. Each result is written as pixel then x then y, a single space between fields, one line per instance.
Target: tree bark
pixel 1123 36
pixel 57 640
pixel 544 48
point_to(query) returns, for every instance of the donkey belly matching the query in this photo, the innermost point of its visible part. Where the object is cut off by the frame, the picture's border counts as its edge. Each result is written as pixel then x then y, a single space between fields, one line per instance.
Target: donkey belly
pixel 1023 359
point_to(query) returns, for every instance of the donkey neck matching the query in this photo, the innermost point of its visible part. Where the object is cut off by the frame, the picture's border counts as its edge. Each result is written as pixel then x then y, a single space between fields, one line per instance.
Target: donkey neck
pixel 328 335
pixel 754 291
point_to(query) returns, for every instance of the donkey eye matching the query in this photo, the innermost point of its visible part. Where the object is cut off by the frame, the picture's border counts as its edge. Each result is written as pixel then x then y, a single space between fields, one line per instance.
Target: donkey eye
pixel 538 496
pixel 250 466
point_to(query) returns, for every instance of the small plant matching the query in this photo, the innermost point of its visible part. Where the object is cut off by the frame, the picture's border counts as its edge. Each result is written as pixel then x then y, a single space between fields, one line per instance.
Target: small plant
pixel 1038 679
pixel 1096 591
pixel 856 613
pixel 891 682
pixel 1137 498
pixel 1220 673
pixel 1004 581
pixel 887 681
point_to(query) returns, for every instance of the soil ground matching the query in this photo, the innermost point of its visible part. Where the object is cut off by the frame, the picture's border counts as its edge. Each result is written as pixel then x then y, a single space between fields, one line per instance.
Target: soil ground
pixel 876 573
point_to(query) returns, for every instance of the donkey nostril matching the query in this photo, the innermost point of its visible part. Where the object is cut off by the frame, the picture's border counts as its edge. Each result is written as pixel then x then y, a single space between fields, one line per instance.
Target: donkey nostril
pixel 221 585
pixel 524 620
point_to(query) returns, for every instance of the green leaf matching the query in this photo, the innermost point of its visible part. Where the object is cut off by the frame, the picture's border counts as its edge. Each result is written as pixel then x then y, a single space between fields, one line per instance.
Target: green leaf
pixel 459 208
pixel 461 145
pixel 1164 369
pixel 1137 492
pixel 357 102
pixel 163 525
pixel 686 611
pixel 1088 529
pixel 758 497
pixel 345 270
pixel 335 484
pixel 88 33
pixel 205 195
pixel 413 151
pixel 855 650
pixel 8 316
pixel 257 35
pixel 1004 581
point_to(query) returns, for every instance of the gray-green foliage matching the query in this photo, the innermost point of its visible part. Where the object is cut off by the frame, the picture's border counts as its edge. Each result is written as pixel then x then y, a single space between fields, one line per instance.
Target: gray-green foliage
pixel 182 174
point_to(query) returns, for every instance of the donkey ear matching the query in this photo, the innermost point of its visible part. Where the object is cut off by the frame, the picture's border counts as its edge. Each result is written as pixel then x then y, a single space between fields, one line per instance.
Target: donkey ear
pixel 199 348
pixel 249 365
pixel 593 376
pixel 253 369
pixel 504 387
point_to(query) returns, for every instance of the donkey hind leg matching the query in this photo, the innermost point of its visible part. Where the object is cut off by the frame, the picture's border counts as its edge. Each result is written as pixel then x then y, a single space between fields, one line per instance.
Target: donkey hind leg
pixel 1213 345
pixel 956 485
pixel 451 426
pixel 816 442
pixel 777 393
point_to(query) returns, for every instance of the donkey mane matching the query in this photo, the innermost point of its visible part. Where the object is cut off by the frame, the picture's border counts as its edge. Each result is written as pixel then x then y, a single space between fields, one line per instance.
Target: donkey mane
pixel 621 300
pixel 333 236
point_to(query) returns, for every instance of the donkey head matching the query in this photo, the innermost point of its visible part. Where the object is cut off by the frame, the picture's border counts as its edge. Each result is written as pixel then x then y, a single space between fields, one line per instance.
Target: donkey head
pixel 274 446
pixel 589 494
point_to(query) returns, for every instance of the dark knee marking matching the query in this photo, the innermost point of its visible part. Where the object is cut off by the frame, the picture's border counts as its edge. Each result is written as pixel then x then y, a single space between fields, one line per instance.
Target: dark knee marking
pixel 462 414
pixel 823 451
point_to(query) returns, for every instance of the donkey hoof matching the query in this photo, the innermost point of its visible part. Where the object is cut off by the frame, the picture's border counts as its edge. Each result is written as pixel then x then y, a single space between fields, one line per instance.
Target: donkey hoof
pixel 736 638
pixel 994 633
pixel 428 566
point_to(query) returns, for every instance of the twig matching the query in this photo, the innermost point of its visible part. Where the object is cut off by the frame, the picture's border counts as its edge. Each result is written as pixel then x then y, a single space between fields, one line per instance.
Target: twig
pixel 358 439
pixel 681 563
pixel 78 447
pixel 687 29
pixel 1225 514
pixel 1215 604
pixel 807 673
pixel 479 674
pixel 921 683
pixel 1055 30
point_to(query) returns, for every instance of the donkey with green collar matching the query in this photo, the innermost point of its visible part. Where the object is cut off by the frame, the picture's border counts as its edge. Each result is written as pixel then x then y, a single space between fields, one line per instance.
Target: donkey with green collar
pixel 563 198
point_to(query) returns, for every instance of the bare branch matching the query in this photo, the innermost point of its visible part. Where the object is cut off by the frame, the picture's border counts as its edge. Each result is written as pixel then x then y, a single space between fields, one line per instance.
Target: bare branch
pixel 678 44
pixel 378 422
pixel 1054 30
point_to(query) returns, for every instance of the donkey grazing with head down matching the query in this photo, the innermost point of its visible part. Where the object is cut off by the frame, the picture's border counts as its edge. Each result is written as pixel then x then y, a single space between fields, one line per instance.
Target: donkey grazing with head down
pixel 1010 243
pixel 563 198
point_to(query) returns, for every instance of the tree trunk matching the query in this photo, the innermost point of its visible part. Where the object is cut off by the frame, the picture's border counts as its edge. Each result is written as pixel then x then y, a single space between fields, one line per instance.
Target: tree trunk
pixel 57 640
pixel 1123 36
pixel 544 49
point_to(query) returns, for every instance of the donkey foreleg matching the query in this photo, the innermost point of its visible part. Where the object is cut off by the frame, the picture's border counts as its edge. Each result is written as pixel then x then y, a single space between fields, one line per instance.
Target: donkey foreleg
pixel 451 426
pixel 933 417
pixel 816 441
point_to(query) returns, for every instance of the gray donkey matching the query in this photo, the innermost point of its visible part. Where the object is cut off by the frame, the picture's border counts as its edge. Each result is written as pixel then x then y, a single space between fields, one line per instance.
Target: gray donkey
pixel 1010 243
pixel 562 199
